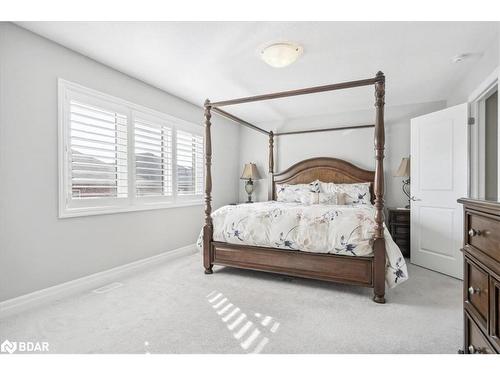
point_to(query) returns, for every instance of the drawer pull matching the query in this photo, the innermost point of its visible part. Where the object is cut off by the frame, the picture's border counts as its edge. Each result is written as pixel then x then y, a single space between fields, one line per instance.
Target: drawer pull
pixel 474 232
pixel 473 290
pixel 474 350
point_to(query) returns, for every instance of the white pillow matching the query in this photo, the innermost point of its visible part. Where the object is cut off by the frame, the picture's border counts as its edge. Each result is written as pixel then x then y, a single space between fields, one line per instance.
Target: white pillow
pixel 328 198
pixel 321 198
pixel 358 193
pixel 296 193
pixel 309 198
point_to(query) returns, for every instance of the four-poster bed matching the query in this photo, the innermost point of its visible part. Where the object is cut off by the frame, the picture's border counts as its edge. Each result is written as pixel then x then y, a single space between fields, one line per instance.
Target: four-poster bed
pixel 366 271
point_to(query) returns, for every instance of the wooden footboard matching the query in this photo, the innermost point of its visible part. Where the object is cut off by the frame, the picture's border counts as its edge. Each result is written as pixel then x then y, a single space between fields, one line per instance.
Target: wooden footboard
pixel 329 267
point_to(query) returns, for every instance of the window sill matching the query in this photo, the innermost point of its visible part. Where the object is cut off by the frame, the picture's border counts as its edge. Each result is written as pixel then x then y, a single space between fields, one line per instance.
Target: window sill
pixel 109 210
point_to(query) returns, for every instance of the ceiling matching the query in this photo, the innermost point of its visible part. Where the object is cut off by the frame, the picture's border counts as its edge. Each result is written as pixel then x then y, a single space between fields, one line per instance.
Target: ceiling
pixel 220 60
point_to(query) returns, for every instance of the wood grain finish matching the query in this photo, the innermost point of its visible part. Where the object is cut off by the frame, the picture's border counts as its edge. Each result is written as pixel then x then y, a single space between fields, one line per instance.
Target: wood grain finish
pixel 271 167
pixel 484 234
pixel 477 297
pixel 232 117
pixel 477 342
pixel 271 152
pixel 481 291
pixel 308 90
pixel 208 227
pixel 328 267
pixel 495 313
pixel 379 142
pixel 378 189
pixel 325 170
pixel 295 132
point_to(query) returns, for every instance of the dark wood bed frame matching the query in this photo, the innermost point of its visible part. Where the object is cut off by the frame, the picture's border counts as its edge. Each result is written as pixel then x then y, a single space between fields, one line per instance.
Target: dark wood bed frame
pixel 363 271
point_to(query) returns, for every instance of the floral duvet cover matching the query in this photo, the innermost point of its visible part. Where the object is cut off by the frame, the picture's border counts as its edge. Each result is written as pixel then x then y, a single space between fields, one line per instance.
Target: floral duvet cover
pixel 336 229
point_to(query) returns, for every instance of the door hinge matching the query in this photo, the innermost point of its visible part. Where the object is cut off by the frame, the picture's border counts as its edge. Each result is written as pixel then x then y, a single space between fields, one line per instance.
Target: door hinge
pixel 471 121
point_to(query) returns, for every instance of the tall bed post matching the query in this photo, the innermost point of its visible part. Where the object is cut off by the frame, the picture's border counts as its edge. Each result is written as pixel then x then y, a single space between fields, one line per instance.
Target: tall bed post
pixel 208 227
pixel 379 245
pixel 271 165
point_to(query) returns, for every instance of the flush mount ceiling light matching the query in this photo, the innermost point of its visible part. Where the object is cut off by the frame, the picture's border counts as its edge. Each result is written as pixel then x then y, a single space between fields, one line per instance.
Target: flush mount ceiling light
pixel 279 55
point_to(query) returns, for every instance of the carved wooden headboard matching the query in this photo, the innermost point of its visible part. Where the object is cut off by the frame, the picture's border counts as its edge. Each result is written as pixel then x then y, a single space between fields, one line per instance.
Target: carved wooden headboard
pixel 323 169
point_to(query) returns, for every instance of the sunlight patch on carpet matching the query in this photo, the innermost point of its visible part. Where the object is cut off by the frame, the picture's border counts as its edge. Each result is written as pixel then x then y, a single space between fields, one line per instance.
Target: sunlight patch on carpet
pixel 251 339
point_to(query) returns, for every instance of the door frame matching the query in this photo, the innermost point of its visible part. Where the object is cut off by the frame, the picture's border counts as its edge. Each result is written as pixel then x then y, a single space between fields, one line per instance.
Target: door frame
pixel 476 165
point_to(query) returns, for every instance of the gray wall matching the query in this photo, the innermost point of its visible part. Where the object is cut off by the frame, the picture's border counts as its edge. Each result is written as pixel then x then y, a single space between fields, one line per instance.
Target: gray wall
pixel 355 146
pixel 38 250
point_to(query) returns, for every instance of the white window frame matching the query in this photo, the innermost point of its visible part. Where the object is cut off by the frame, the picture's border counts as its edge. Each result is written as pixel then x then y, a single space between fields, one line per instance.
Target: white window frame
pixel 69 207
pixel 185 198
pixel 149 201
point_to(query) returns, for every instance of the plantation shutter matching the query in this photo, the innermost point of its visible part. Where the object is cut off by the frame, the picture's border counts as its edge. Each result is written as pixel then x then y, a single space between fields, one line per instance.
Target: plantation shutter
pixel 97 152
pixel 189 158
pixel 153 158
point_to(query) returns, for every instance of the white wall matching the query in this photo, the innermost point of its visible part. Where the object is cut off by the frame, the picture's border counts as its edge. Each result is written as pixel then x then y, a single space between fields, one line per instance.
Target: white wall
pixel 355 146
pixel 38 250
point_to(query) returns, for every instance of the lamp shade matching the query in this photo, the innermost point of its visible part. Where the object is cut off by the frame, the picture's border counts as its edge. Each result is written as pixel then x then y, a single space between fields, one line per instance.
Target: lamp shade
pixel 250 172
pixel 404 168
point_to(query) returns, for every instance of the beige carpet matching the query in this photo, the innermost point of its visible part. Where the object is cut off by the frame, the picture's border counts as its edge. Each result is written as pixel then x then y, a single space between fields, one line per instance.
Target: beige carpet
pixel 175 308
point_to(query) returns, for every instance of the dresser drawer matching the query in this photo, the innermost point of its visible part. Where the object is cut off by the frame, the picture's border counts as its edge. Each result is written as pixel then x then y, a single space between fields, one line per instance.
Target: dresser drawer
pixel 475 342
pixel 495 313
pixel 481 275
pixel 476 292
pixel 483 233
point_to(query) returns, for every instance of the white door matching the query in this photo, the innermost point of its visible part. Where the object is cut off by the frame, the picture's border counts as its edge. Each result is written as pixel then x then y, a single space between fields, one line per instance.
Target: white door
pixel 438 178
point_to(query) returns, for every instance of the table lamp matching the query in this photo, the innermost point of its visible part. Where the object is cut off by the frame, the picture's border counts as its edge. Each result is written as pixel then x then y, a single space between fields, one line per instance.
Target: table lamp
pixel 250 173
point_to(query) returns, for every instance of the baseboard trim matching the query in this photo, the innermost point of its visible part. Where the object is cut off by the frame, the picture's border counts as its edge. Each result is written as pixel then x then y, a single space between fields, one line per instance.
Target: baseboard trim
pixel 27 301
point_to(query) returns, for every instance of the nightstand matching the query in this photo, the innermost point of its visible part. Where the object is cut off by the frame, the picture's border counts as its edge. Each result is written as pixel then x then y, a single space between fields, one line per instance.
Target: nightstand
pixel 399 227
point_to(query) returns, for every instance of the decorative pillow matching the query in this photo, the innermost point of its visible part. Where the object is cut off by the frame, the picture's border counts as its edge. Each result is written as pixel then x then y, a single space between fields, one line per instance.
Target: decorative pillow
pixel 322 198
pixel 296 193
pixel 341 198
pixel 358 193
pixel 315 186
pixel 309 198
pixel 328 198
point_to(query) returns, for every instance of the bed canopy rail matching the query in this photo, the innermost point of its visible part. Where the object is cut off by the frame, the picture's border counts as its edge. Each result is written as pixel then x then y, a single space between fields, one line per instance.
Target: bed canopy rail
pixel 379 145
pixel 324 130
pixel 309 90
pixel 238 120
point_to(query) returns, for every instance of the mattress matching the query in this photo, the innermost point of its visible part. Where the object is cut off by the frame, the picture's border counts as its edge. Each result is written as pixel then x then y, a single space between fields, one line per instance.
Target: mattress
pixel 319 228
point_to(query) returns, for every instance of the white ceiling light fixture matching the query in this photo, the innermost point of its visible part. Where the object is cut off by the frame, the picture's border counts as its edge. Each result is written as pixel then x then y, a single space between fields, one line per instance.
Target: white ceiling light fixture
pixel 279 55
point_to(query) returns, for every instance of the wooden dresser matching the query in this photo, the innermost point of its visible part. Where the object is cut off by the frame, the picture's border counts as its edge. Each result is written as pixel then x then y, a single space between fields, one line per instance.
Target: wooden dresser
pixel 399 228
pixel 481 292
